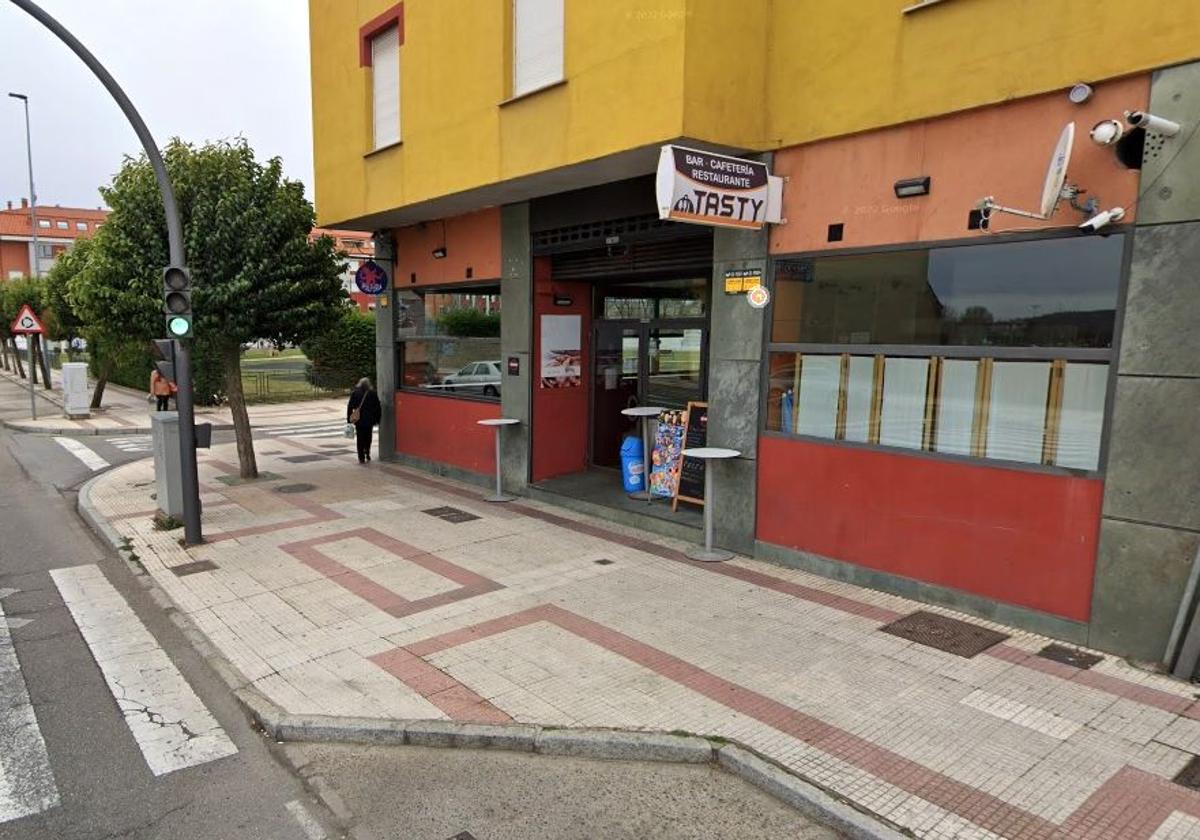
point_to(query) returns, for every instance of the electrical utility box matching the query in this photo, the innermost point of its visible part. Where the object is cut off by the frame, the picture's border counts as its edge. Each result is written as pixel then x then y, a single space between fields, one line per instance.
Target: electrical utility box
pixel 77 399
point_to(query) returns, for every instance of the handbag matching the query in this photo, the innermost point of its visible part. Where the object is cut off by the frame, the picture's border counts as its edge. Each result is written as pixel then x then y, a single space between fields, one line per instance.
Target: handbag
pixel 355 415
pixel 348 430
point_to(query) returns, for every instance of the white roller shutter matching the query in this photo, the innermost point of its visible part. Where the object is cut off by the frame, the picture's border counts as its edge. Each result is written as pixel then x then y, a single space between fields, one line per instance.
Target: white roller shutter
pixel 537 44
pixel 385 87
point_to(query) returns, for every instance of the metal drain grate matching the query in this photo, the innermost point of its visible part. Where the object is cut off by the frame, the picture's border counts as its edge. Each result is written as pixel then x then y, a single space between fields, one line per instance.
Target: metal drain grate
pixel 1070 656
pixel 451 514
pixel 295 488
pixel 303 459
pixel 463 835
pixel 1189 776
pixel 274 452
pixel 185 569
pixel 944 633
pixel 603 561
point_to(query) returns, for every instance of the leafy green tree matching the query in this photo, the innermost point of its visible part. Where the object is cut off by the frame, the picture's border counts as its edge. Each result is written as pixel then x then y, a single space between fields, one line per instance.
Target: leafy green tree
pixel 18 292
pixel 255 275
pixel 344 353
pixel 61 319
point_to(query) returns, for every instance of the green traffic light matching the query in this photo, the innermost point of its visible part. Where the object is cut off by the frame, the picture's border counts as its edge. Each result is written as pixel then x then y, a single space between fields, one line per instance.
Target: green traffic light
pixel 179 327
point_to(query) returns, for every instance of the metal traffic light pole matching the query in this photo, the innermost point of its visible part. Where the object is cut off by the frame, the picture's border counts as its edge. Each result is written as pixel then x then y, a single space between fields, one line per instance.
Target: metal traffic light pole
pixel 183 365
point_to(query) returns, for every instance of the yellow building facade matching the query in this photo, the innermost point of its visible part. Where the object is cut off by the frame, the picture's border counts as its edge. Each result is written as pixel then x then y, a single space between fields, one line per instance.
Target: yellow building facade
pixel 754 75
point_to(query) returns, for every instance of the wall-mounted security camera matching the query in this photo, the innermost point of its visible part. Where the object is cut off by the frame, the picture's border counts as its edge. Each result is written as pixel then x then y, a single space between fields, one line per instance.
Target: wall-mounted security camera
pixel 1149 122
pixel 1102 219
pixel 1107 132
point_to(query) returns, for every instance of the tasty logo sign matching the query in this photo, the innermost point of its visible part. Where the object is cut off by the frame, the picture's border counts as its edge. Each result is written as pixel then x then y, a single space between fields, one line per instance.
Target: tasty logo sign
pixel 709 189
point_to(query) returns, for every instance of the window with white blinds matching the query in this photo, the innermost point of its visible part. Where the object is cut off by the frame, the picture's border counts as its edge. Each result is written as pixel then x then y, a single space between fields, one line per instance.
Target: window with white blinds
pixel 537 44
pixel 385 87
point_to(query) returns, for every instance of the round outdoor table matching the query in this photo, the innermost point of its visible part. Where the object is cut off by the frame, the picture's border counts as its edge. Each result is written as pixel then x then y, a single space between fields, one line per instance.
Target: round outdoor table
pixel 644 412
pixel 709 454
pixel 497 423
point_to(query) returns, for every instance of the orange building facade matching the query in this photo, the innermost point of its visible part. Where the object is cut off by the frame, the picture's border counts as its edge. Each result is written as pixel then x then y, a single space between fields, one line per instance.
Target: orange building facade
pixel 58 228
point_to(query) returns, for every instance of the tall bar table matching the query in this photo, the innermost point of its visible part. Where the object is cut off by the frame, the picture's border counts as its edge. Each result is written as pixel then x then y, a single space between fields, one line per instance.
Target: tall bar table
pixel 644 413
pixel 498 423
pixel 708 454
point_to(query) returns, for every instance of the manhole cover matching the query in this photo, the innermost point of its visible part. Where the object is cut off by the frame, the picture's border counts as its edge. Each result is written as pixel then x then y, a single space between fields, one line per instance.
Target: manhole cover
pixel 1070 656
pixel 303 459
pixel 295 488
pixel 944 633
pixel 185 569
pixel 1189 776
pixel 451 514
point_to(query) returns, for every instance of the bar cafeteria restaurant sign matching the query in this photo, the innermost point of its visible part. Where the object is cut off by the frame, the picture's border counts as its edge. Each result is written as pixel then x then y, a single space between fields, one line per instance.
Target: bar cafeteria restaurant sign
pixel 709 189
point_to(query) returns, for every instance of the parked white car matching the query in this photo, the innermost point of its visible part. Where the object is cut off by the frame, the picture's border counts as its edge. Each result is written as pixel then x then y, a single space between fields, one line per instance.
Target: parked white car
pixel 475 378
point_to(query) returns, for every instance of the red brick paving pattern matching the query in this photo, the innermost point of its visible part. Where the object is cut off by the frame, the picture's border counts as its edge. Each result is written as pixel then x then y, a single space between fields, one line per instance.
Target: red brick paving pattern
pixel 469 583
pixel 1130 806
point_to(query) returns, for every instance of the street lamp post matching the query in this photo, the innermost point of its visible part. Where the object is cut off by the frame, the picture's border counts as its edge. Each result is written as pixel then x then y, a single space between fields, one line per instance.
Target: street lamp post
pixel 183 367
pixel 34 263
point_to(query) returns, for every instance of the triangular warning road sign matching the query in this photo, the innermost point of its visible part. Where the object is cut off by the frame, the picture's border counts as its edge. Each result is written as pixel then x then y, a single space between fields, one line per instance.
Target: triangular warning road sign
pixel 27 322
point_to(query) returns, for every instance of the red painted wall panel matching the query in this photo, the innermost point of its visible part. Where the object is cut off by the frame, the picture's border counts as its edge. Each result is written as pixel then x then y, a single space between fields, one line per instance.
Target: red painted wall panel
pixel 1015 536
pixel 444 429
pixel 560 415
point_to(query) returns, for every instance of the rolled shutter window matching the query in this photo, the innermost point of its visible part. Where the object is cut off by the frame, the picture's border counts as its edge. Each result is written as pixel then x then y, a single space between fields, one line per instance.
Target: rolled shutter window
pixel 385 87
pixel 537 44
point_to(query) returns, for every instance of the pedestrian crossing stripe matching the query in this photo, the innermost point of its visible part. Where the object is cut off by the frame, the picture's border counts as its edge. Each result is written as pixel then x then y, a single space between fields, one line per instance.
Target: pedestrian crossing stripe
pixel 171 725
pixel 26 779
pixel 304 431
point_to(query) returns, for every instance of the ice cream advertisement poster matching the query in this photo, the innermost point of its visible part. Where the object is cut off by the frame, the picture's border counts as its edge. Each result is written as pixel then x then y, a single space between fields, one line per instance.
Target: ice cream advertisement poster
pixel 562 358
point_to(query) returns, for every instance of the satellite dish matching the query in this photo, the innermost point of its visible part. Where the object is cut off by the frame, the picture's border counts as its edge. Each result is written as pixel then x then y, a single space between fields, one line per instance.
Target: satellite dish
pixel 1056 173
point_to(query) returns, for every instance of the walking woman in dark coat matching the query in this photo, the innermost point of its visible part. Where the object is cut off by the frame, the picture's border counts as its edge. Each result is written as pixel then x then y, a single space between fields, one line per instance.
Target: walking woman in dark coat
pixel 364 411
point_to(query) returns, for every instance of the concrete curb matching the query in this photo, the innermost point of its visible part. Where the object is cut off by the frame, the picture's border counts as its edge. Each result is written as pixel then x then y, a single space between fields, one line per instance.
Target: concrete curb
pixel 602 744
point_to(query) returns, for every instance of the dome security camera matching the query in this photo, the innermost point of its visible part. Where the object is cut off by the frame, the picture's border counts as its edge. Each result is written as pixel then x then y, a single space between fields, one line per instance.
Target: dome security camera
pixel 1103 218
pixel 1149 122
pixel 1107 132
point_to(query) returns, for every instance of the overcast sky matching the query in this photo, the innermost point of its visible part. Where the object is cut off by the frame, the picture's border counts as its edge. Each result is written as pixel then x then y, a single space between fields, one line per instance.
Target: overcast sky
pixel 196 69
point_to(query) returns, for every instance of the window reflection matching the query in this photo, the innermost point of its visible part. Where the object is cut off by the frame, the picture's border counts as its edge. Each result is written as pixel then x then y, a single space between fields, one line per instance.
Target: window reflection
pixel 1045 293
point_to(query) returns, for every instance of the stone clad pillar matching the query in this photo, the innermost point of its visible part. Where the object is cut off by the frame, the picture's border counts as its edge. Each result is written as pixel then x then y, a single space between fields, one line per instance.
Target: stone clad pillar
pixel 735 354
pixel 385 345
pixel 1150 528
pixel 516 336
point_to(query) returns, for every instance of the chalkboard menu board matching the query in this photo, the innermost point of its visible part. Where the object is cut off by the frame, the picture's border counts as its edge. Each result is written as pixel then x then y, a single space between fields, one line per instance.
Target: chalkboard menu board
pixel 690 487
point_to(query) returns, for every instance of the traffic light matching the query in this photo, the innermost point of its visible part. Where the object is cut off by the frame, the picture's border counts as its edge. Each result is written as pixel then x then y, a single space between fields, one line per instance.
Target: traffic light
pixel 177 301
pixel 164 349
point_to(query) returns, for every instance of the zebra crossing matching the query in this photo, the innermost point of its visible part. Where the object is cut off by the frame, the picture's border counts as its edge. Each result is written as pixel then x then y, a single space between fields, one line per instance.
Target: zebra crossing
pixel 131 443
pixel 171 726
pixel 313 430
pixel 27 783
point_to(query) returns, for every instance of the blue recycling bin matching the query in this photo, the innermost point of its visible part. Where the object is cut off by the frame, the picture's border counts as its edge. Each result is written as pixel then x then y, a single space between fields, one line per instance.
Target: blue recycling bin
pixel 632 466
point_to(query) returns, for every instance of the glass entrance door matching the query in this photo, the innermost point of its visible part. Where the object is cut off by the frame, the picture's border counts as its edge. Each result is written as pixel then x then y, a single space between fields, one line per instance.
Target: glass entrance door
pixel 674 363
pixel 657 362
pixel 616 384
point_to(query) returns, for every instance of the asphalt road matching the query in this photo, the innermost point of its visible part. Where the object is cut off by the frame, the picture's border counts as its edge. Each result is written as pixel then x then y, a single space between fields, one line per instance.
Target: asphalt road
pixel 421 793
pixel 99 773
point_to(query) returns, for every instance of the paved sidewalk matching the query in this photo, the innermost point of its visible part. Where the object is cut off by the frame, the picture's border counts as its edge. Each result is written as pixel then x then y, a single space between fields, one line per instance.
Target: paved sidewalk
pixel 127 411
pixel 340 589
